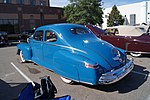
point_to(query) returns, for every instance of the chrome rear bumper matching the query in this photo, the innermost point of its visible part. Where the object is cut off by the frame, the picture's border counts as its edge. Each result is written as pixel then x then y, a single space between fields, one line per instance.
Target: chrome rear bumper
pixel 116 75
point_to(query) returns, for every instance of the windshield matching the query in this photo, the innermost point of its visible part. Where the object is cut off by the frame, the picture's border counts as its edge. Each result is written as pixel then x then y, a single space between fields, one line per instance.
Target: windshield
pixel 142 29
pixel 148 30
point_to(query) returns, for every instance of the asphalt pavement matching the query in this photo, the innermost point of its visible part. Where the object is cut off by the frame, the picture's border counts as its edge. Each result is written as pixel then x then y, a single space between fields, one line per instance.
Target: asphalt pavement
pixel 15 75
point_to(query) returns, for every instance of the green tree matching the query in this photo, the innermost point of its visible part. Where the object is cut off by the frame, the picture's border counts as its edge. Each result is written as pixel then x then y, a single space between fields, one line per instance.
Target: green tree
pixel 84 11
pixel 115 18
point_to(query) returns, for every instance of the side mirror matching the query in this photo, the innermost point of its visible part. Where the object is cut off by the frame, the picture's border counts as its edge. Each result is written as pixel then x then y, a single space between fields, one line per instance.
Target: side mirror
pixel 28 39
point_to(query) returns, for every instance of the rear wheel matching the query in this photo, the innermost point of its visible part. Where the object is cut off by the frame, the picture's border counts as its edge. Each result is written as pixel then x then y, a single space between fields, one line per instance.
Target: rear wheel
pixel 135 54
pixel 21 57
pixel 68 81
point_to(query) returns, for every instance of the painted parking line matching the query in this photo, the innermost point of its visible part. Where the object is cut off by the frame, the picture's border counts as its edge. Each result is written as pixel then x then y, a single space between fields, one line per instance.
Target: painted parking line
pixel 26 77
pixel 140 73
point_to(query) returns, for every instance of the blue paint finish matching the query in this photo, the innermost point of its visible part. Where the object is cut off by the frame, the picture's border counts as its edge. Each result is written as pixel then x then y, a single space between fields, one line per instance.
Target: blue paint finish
pixel 70 52
pixel 26 50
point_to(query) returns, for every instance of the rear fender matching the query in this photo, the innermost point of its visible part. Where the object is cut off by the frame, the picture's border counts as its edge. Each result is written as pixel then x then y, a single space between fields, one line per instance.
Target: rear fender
pixel 26 49
pixel 72 66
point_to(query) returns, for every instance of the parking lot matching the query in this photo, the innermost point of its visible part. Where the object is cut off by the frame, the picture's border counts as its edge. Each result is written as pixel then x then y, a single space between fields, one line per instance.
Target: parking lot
pixel 14 76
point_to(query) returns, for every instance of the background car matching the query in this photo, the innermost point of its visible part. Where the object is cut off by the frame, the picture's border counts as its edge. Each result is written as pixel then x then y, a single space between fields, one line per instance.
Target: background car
pixel 135 45
pixel 76 54
pixel 3 38
pixel 126 30
pixel 24 35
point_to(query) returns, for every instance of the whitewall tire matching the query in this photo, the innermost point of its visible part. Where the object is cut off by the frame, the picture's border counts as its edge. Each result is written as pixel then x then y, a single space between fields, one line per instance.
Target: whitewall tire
pixel 21 57
pixel 135 54
pixel 68 81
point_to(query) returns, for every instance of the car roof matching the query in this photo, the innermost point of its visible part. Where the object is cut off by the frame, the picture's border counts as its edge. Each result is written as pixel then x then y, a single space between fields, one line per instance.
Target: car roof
pixel 60 25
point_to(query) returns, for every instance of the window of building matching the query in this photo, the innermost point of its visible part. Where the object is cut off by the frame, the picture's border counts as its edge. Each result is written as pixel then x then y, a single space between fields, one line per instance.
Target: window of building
pixel 7 1
pixel 32 22
pixel 1 22
pixel 132 19
pixel 15 22
pixel 20 1
pixel 10 26
pixel 42 18
pixel 42 3
pixel 5 21
pixel 32 2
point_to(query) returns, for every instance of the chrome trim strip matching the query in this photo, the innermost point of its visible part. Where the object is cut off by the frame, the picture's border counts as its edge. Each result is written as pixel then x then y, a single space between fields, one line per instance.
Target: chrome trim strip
pixel 69 47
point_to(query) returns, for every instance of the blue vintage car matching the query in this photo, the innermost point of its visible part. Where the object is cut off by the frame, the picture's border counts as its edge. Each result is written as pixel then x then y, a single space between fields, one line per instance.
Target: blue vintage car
pixel 76 54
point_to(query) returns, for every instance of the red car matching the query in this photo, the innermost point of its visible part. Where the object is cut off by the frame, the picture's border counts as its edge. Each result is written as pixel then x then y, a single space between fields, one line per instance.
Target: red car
pixel 135 45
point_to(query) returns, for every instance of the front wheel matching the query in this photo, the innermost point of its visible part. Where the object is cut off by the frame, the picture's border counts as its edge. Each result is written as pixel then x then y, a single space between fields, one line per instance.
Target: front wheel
pixel 68 81
pixel 21 57
pixel 135 54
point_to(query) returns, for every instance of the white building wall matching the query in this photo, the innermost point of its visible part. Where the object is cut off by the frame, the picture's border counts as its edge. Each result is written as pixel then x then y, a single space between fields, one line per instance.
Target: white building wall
pixel 140 9
pixel 148 12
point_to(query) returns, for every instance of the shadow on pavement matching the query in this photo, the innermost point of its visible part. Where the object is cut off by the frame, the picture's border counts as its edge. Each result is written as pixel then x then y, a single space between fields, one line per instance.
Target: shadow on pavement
pixel 145 56
pixel 10 91
pixel 129 83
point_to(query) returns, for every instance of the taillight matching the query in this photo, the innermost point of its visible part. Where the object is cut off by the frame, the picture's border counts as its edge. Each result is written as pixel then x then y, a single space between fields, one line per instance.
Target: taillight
pixel 91 66
pixel 97 67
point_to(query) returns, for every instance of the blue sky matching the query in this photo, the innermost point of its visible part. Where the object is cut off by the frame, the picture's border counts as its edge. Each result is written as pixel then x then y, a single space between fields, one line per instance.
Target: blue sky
pixel 107 3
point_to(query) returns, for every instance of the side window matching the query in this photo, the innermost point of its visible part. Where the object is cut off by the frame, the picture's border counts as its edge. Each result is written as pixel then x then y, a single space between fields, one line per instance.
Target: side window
pixel 38 35
pixel 50 36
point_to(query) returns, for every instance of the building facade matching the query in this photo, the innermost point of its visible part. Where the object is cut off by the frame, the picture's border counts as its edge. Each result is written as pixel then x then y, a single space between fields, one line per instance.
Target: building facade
pixel 26 2
pixel 134 14
pixel 19 15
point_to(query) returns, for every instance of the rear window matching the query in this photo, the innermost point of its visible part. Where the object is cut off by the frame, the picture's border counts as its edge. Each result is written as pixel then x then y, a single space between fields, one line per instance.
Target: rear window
pixel 79 31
